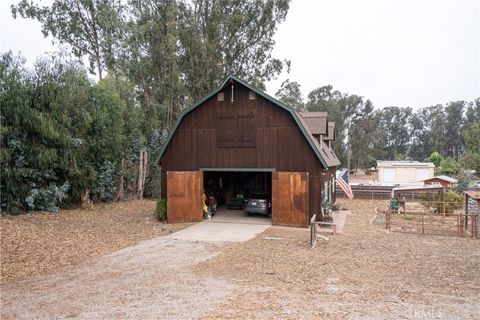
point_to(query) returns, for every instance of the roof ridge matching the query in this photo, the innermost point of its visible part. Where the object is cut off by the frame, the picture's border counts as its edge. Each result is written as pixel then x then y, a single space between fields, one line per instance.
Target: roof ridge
pixel 297 118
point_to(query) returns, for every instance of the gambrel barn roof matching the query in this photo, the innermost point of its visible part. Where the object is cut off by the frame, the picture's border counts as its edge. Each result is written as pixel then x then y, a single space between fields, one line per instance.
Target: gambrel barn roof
pixel 318 120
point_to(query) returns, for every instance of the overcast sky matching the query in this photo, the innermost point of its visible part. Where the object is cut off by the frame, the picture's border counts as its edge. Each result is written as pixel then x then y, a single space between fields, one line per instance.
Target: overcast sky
pixel 397 53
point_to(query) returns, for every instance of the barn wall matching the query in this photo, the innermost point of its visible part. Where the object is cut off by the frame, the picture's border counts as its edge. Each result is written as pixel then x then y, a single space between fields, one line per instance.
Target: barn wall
pixel 278 144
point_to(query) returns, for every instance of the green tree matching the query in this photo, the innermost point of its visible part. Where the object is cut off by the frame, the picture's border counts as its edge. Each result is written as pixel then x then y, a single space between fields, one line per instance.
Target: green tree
pixel 449 167
pixel 428 133
pixel 92 28
pixel 436 158
pixel 472 114
pixel 291 94
pixel 326 99
pixel 63 137
pixel 453 127
pixel 470 161
pixel 472 138
pixel 150 59
pixel 347 111
pixel 395 125
pixel 44 116
pixel 367 137
pixel 218 38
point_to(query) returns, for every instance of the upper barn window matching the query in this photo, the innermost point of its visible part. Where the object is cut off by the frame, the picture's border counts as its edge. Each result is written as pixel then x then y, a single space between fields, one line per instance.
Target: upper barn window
pixel 251 95
pixel 236 129
pixel 220 96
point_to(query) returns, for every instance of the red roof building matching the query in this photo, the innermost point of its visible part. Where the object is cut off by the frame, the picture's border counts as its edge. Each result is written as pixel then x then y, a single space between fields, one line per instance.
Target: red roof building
pixel 444 181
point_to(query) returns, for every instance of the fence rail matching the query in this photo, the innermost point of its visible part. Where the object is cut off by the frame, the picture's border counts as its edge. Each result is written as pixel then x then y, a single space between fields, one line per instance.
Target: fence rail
pixel 376 192
pixel 367 192
pixel 427 221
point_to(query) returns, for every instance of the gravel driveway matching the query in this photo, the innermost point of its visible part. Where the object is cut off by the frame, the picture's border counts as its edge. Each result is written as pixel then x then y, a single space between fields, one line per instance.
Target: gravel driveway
pixel 150 280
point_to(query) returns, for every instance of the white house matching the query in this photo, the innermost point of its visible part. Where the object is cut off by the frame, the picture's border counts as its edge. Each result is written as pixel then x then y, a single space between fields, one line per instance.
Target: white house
pixel 404 172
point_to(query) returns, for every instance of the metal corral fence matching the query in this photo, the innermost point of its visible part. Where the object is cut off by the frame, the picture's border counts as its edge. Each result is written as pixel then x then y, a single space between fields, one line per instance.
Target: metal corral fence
pixel 429 221
pixel 376 192
pixel 368 192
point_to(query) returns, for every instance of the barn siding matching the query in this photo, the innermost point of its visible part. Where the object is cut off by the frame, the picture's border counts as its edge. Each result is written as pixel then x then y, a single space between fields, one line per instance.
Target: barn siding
pixel 279 143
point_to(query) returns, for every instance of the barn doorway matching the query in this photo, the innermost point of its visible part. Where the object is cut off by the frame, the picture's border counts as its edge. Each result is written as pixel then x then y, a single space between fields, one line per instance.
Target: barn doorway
pixel 242 196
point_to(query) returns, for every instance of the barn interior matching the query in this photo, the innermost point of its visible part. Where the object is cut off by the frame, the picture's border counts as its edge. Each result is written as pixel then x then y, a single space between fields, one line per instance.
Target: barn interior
pixel 232 188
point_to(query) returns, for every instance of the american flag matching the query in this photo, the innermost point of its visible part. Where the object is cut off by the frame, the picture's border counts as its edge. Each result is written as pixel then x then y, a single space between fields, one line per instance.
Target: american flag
pixel 342 181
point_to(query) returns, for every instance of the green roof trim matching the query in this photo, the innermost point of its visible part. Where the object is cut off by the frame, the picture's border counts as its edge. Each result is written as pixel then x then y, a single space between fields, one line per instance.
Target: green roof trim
pixel 238 169
pixel 259 92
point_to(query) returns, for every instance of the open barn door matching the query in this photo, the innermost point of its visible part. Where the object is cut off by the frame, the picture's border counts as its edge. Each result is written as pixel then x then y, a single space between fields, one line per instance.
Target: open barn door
pixel 290 199
pixel 184 196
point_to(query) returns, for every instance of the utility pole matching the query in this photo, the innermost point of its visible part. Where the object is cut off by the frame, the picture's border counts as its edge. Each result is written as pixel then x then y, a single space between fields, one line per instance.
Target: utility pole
pixel 349 148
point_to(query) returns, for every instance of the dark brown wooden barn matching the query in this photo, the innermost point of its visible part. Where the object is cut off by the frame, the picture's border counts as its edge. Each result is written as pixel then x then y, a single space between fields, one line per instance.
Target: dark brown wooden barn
pixel 240 137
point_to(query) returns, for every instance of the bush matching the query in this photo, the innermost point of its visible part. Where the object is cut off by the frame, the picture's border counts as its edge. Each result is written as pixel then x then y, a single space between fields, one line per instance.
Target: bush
pixel 455 201
pixel 47 199
pixel 161 210
pixel 449 167
pixel 105 185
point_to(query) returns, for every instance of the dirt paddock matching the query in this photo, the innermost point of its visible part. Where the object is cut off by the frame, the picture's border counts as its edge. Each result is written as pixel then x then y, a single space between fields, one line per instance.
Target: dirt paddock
pixel 365 273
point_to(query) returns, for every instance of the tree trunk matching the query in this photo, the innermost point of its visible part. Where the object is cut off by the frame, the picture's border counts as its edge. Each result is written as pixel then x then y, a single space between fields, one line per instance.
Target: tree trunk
pixel 99 67
pixel 142 173
pixel 120 193
pixel 86 201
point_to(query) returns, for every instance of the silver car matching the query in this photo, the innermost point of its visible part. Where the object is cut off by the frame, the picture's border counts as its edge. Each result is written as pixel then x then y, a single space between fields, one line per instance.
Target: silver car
pixel 258 203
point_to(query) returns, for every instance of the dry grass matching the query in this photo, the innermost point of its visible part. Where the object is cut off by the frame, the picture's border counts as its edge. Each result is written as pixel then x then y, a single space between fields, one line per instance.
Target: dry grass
pixel 366 272
pixel 43 242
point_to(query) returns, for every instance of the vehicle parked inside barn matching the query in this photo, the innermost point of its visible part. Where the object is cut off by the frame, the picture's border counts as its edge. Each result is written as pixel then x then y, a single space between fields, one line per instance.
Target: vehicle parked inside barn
pixel 258 203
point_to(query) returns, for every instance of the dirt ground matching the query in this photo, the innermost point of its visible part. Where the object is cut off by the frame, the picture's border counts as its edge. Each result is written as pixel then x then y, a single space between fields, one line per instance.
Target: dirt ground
pixel 42 242
pixel 364 273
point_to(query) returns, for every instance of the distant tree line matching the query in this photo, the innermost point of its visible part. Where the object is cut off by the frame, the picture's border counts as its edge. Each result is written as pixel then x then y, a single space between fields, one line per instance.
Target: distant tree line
pixel 67 139
pixel 393 133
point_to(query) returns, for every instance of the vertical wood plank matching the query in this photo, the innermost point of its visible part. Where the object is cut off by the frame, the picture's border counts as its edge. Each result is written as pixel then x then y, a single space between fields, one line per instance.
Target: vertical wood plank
pixel 290 199
pixel 184 196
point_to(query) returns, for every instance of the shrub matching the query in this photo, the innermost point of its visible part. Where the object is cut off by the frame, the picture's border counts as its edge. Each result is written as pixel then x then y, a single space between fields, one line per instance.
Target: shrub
pixel 436 158
pixel 161 210
pixel 449 167
pixel 106 182
pixel 454 201
pixel 47 198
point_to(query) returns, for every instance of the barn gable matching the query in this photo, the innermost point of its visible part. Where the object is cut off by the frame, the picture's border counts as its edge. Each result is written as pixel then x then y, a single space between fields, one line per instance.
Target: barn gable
pixel 324 154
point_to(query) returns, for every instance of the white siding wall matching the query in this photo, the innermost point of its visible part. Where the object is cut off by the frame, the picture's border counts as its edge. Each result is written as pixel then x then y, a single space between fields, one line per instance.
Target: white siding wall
pixel 404 175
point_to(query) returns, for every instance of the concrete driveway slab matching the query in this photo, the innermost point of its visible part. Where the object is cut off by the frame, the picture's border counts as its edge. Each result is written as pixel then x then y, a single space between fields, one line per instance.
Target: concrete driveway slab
pixel 211 231
pixel 238 216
